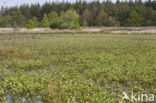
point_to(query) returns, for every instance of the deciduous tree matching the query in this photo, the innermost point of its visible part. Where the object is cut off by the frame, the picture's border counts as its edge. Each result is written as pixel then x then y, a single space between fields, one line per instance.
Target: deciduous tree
pixel 70 19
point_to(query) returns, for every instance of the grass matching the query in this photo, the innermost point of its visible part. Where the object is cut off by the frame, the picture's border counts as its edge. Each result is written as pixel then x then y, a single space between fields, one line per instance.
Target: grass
pixel 79 68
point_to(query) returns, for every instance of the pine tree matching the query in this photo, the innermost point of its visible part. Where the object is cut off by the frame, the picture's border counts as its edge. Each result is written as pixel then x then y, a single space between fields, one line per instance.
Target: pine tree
pixel 134 19
pixel 87 15
pixel 101 18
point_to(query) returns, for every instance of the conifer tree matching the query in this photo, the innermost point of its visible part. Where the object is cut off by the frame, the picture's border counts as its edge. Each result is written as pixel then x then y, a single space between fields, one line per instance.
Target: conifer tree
pixel 45 22
pixel 134 19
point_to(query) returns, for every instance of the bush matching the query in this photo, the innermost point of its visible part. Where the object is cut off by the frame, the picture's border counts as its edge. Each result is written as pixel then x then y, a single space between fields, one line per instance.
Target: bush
pixel 84 24
pixel 30 24
pixel 55 25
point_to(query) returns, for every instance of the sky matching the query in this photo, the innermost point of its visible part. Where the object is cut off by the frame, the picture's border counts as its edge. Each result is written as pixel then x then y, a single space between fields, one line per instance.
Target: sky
pixel 10 3
pixel 20 2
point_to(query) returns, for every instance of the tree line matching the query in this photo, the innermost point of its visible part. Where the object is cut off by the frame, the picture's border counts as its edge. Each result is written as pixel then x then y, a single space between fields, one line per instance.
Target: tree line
pixel 81 13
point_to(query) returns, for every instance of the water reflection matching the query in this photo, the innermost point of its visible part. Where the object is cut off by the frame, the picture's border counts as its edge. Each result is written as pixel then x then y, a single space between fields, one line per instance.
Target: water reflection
pixel 10 99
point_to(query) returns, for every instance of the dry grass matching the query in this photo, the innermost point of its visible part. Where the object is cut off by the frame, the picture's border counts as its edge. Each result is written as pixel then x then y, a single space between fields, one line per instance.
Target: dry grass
pixel 114 30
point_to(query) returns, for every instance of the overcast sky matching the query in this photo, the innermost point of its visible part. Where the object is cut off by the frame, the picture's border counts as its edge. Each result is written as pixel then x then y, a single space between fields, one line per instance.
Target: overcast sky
pixel 20 2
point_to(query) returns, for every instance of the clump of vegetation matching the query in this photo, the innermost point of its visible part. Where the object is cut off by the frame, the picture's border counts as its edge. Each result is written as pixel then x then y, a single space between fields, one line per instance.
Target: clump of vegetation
pixel 85 24
pixel 45 22
pixel 30 25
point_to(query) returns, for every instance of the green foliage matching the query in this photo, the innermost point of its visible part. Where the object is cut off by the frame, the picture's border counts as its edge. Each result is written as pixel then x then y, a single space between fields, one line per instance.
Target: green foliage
pixel 134 19
pixel 153 21
pixel 86 15
pixel 14 25
pixel 26 12
pixel 54 19
pixel 68 21
pixel 9 20
pixel 101 18
pixel 30 24
pixel 45 22
pixel 82 68
pixel 5 21
pixel 85 24
pixel 75 24
pixel 35 21
pixel 111 21
pixel 18 17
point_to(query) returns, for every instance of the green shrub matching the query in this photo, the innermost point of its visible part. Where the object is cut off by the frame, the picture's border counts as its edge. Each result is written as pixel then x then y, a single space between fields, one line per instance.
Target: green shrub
pixel 84 24
pixel 30 24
